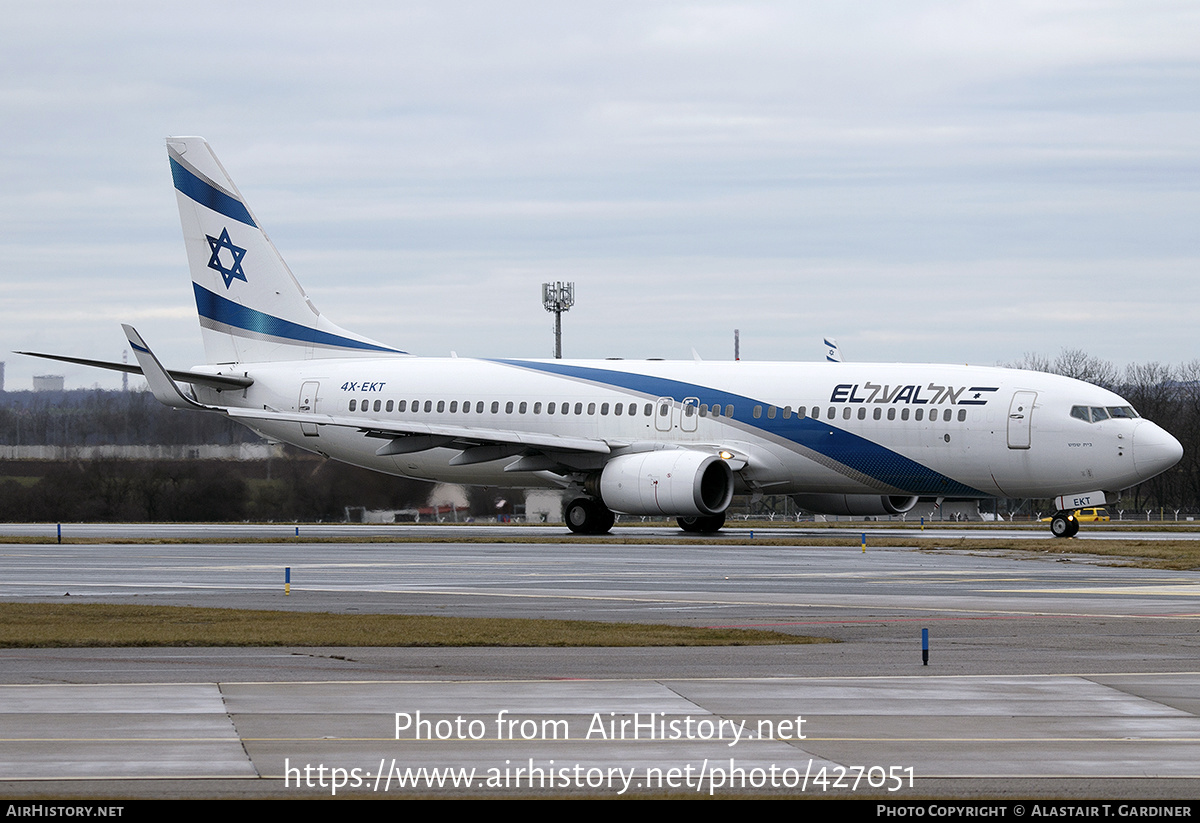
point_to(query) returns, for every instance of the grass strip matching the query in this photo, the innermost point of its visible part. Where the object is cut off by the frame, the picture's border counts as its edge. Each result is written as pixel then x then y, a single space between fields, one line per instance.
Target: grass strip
pixel 92 625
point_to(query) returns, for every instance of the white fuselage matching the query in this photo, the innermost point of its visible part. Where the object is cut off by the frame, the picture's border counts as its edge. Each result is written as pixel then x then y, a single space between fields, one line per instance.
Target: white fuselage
pixel 794 428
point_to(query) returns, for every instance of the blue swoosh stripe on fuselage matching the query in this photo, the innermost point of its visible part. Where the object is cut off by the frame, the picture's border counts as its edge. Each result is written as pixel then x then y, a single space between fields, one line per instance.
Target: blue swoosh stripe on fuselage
pixel 849 449
pixel 221 310
pixel 206 195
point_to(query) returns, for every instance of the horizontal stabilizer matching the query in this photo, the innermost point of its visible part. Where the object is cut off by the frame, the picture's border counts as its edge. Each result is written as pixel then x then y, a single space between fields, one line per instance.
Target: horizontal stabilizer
pixel 213 381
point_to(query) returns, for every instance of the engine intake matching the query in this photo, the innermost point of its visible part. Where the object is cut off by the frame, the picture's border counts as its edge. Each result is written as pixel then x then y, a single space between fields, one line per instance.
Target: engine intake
pixel 673 482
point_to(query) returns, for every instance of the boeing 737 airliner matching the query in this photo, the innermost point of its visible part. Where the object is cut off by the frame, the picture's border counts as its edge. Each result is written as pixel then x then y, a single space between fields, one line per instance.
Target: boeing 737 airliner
pixel 618 436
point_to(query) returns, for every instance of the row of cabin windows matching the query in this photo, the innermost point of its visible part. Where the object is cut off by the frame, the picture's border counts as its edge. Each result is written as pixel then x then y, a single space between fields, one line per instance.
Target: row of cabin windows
pixel 631 409
pixel 453 406
pixel 847 413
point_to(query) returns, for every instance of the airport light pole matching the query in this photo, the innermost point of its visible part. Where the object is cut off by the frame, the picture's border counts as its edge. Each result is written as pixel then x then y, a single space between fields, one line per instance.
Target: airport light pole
pixel 558 297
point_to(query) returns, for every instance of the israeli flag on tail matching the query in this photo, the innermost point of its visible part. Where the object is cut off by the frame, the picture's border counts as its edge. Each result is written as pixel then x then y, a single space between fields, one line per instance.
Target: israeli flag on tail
pixel 832 353
pixel 252 309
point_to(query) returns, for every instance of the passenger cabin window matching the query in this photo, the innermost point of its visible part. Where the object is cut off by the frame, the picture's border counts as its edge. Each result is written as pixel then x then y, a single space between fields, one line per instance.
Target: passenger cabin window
pixel 354 405
pixel 402 406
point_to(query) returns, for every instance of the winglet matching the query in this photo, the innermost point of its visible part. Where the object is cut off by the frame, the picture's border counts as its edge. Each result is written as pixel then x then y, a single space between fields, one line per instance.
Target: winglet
pixel 166 390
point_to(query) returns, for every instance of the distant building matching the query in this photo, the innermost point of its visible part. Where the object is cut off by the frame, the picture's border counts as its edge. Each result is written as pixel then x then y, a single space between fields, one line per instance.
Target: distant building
pixel 1 375
pixel 48 382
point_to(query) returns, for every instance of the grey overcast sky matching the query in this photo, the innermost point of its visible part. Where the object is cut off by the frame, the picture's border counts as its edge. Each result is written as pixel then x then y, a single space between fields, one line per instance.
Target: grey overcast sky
pixel 924 181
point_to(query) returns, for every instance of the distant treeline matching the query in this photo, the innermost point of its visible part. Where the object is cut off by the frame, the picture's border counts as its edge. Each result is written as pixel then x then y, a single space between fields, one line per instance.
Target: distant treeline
pixel 97 417
pixel 297 486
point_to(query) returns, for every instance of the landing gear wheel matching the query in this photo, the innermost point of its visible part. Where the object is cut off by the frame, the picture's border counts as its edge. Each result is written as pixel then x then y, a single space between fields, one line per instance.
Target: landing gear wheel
pixel 587 516
pixel 702 525
pixel 1064 525
pixel 604 519
pixel 579 515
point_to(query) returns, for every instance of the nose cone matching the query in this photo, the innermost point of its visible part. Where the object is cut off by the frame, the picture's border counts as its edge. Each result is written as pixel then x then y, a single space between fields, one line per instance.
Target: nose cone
pixel 1154 451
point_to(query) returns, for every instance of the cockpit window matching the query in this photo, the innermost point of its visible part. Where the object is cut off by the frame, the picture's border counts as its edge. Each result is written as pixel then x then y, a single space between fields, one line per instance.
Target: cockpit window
pixel 1122 411
pixel 1095 414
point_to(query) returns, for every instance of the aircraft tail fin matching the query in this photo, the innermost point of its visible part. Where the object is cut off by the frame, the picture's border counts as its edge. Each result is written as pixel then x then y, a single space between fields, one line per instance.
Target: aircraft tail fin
pixel 251 307
pixel 832 353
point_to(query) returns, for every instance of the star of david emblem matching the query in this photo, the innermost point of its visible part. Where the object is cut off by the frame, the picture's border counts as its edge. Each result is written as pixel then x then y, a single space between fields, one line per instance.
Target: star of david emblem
pixel 234 271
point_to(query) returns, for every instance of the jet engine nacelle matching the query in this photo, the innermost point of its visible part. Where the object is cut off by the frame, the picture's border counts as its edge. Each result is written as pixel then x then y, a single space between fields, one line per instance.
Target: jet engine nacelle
pixel 674 482
pixel 855 504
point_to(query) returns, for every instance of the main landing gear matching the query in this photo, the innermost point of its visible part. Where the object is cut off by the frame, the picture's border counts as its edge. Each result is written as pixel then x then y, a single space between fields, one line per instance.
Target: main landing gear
pixel 702 525
pixel 1064 524
pixel 587 516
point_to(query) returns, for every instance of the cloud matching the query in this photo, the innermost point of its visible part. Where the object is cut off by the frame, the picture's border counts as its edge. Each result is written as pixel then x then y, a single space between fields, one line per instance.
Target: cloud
pixel 923 181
